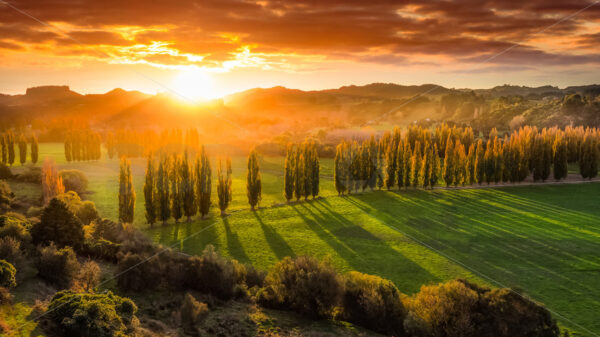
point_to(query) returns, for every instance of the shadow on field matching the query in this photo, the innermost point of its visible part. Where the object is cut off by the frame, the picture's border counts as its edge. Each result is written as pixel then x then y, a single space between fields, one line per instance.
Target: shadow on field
pixel 278 245
pixel 362 250
pixel 234 245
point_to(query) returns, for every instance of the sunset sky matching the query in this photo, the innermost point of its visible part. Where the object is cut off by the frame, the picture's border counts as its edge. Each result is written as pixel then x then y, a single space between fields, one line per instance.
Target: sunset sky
pixel 223 46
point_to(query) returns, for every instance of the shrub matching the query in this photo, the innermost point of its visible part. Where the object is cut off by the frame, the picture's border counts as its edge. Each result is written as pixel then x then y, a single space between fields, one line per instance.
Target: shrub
pixel 254 277
pixel 107 229
pixel 34 212
pixel 10 251
pixel 304 285
pixel 7 275
pixel 212 273
pixel 58 267
pixel 33 175
pixel 5 297
pixel 89 275
pixel 71 199
pixel 16 227
pixel 87 212
pixel 104 249
pixel 374 303
pixel 6 196
pixel 137 272
pixel 74 180
pixel 93 315
pixel 192 312
pixel 5 172
pixel 58 225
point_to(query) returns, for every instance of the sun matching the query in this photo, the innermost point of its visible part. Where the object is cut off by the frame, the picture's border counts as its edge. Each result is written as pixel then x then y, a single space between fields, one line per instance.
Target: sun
pixel 194 84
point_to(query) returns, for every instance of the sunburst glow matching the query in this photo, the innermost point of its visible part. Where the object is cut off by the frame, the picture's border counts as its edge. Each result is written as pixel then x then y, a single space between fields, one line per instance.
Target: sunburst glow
pixel 194 84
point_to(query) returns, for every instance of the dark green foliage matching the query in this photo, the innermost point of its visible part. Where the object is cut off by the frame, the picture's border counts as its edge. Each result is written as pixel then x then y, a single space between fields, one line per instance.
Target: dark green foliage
pixel 74 180
pixel 374 303
pixel 137 272
pixel 10 144
pixel 5 172
pixel 7 274
pixel 588 157
pixel 6 196
pixel 192 313
pixel 203 183
pixel 57 266
pixel 87 212
pixel 187 179
pixel 15 227
pixel 304 285
pixel 10 251
pixel 213 274
pixel 162 191
pixel 126 192
pixel 253 180
pixel 59 225
pixel 150 203
pixel 479 165
pixel 175 183
pixel 22 149
pixel 224 191
pixel 92 315
pixel 34 149
pixel 288 173
pixel 561 168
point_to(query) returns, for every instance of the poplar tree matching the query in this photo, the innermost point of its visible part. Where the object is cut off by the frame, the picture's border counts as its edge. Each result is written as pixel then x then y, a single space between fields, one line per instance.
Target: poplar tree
pixel 316 168
pixel 253 180
pixel 11 147
pixel 588 157
pixel 288 175
pixel 459 163
pixel 448 169
pixel 187 188
pixel 470 171
pixel 307 171
pixel 203 182
pixel 415 165
pixel 390 165
pixel 434 167
pixel 126 192
pixel 380 163
pixel 339 178
pixel 407 163
pixel 162 191
pixel 424 168
pixel 176 195
pixel 22 149
pixel 400 166
pixel 560 163
pixel 224 191
pixel 299 175
pixel 506 160
pixel 489 162
pixel 498 160
pixel 149 191
pixel 479 165
pixel 34 149
pixel 4 149
pixel 68 148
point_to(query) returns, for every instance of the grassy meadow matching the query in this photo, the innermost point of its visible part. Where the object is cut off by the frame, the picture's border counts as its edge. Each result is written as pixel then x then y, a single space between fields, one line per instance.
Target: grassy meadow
pixel 542 241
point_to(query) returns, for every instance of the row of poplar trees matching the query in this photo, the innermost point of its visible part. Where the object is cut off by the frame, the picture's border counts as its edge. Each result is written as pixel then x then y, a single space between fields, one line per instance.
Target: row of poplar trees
pixel 132 143
pixel 301 171
pixel 422 157
pixel 175 187
pixel 8 140
pixel 82 145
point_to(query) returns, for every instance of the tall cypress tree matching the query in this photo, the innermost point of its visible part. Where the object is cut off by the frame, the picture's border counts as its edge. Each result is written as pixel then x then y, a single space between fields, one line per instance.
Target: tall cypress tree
pixel 187 188
pixel 448 169
pixel 126 192
pixel 149 191
pixel 470 172
pixel 479 165
pixel 176 195
pixel 380 163
pixel 34 149
pixel 559 148
pixel 22 149
pixel 288 175
pixel 489 162
pixel 407 163
pixel 400 166
pixel 308 167
pixel 338 171
pixel 415 165
pixel 315 171
pixel 424 168
pixel 11 147
pixel 204 183
pixel 498 160
pixel 253 180
pixel 68 147
pixel 4 149
pixel 162 196
pixel 434 167
pixel 299 175
pixel 224 191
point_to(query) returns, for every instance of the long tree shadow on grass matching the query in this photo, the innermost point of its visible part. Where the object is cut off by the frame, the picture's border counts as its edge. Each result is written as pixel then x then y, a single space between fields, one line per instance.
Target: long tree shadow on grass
pixel 362 250
pixel 187 237
pixel 276 242
pixel 234 245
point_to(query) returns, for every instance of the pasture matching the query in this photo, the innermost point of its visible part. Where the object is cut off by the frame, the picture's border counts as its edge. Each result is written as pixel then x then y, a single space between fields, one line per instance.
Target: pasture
pixel 543 241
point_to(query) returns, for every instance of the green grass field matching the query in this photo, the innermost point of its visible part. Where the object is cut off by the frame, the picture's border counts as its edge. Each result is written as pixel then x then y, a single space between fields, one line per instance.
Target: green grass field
pixel 543 241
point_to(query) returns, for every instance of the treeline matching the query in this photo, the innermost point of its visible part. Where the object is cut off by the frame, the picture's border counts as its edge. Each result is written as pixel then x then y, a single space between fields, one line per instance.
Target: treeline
pixel 83 145
pixel 301 171
pixel 134 144
pixel 8 141
pixel 175 187
pixel 421 157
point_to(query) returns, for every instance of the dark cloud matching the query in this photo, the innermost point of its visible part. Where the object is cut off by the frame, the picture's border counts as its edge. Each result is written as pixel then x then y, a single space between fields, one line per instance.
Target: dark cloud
pixel 466 30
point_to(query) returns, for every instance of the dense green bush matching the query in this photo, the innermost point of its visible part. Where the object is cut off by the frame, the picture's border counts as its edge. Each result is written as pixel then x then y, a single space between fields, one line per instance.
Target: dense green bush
pixel 5 172
pixel 192 312
pixel 107 229
pixel 6 196
pixel 16 227
pixel 213 274
pixel 374 303
pixel 33 175
pixel 139 272
pixel 87 212
pixel 304 285
pixel 59 267
pixel 7 275
pixel 460 308
pixel 92 315
pixel 10 251
pixel 103 249
pixel 58 225
pixel 74 180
